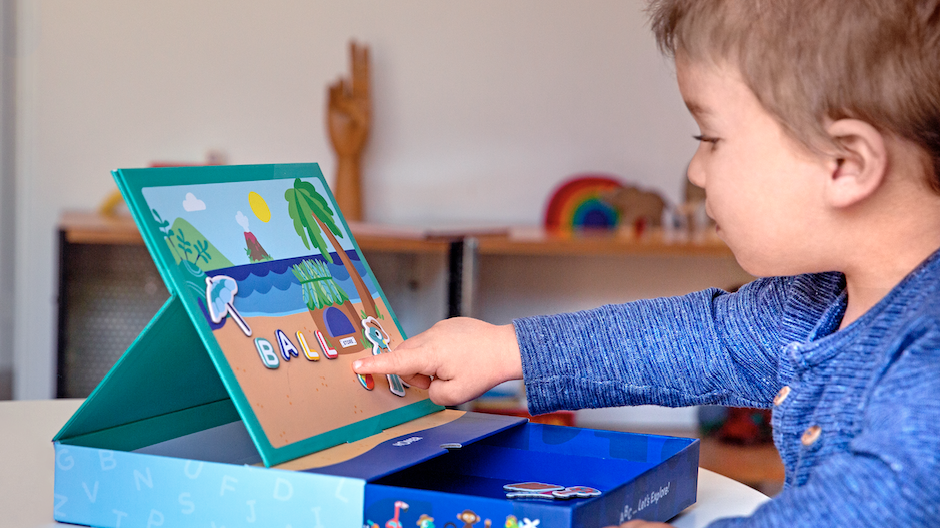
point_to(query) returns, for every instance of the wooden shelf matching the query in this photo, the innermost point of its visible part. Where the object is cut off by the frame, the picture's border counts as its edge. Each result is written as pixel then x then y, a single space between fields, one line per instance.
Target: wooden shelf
pixel 93 228
pixel 540 242
pixel 753 465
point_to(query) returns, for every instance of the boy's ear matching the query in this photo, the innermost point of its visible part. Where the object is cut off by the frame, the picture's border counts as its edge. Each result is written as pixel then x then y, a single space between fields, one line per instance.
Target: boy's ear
pixel 859 169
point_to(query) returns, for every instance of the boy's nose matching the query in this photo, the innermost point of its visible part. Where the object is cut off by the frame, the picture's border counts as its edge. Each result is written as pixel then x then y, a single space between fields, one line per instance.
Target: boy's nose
pixel 695 173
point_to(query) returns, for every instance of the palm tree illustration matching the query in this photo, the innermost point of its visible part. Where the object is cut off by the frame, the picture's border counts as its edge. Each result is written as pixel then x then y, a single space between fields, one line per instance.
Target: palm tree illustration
pixel 304 203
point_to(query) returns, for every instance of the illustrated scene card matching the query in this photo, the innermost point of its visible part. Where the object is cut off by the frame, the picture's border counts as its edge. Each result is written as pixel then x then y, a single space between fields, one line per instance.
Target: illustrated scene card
pixel 281 295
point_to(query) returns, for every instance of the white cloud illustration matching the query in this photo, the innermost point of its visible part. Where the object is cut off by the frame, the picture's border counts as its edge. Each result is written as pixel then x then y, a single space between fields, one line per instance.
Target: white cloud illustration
pixel 191 203
pixel 242 221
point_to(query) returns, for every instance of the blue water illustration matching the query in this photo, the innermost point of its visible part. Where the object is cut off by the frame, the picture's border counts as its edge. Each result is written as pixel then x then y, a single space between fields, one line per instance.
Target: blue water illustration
pixel 269 288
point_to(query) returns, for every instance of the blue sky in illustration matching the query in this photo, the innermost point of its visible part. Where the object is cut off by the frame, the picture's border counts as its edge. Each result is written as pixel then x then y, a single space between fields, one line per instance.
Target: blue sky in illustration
pixel 214 208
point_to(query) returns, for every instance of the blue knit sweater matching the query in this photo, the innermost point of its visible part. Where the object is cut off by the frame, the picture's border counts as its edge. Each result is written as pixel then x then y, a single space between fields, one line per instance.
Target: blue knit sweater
pixel 856 416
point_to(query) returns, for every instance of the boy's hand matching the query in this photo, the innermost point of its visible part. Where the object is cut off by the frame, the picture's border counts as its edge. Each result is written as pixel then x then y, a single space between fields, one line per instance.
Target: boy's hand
pixel 457 360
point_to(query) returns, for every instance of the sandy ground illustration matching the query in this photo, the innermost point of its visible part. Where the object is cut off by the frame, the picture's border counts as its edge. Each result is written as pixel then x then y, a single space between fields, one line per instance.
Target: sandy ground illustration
pixel 303 398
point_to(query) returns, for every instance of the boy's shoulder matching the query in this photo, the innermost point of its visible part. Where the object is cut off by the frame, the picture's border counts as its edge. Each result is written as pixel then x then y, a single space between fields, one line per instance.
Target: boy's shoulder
pixel 910 314
pixel 919 293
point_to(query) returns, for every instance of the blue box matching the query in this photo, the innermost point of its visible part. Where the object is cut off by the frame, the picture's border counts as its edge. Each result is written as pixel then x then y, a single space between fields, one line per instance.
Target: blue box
pixel 237 406
pixel 642 476
pixel 214 478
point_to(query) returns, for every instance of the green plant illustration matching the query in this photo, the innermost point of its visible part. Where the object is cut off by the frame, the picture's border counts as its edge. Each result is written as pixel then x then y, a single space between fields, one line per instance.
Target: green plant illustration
pixel 164 226
pixel 378 314
pixel 253 259
pixel 189 245
pixel 184 245
pixel 319 287
pixel 202 251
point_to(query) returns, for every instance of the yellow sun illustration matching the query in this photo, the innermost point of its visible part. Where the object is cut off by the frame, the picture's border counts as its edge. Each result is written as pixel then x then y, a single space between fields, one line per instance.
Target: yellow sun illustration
pixel 259 206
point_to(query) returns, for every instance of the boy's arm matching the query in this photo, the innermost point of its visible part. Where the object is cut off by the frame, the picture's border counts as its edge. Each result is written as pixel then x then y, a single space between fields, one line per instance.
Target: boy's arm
pixel 709 347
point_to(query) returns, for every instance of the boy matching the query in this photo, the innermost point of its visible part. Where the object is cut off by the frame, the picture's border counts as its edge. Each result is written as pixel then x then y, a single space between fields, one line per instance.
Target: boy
pixel 820 155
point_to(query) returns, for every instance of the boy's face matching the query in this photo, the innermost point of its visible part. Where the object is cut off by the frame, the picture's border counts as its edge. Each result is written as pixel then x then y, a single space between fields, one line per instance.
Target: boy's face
pixel 763 188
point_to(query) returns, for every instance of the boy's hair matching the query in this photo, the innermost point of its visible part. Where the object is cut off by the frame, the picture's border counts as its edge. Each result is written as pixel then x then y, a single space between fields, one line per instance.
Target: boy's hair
pixel 808 60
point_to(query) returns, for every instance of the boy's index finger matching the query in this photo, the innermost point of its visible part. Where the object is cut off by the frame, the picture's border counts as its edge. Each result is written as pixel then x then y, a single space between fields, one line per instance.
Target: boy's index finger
pixel 390 363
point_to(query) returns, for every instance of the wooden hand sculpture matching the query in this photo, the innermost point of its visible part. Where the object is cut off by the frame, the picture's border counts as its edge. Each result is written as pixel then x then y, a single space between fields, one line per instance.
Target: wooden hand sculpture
pixel 349 116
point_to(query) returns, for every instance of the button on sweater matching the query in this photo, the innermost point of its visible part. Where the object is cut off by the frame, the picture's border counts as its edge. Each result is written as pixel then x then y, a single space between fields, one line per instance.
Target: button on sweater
pixel 859 428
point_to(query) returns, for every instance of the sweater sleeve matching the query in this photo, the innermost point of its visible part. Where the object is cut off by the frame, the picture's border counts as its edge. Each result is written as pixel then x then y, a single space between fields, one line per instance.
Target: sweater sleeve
pixel 709 347
pixel 888 474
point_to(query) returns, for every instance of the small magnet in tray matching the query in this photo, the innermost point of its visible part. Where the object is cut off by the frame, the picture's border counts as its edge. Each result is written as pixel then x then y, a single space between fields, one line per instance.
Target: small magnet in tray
pixel 576 492
pixel 532 486
pixel 543 495
pixel 452 445
pixel 539 490
pixel 531 490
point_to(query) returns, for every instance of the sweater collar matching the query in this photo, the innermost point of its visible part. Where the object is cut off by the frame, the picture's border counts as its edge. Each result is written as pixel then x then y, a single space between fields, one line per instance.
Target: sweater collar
pixel 826 340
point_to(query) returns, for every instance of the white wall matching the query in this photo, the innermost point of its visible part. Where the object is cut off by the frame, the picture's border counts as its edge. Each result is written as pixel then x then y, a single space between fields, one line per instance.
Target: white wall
pixel 480 108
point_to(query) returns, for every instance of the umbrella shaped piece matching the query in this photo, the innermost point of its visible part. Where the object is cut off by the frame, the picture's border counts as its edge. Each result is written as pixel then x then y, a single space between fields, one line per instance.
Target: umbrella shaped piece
pixel 220 293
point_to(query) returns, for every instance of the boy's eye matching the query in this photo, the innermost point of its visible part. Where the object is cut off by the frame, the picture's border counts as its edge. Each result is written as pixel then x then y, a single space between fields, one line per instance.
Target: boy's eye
pixel 706 139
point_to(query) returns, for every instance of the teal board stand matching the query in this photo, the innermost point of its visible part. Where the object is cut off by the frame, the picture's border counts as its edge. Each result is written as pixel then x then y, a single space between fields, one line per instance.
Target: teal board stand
pixel 267 247
pixel 146 398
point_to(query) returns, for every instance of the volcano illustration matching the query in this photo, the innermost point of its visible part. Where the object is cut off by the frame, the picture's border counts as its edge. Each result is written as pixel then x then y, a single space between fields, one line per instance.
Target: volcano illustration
pixel 256 253
pixel 253 248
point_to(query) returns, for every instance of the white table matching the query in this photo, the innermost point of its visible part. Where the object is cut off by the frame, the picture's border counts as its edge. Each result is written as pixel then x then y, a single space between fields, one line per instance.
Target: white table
pixel 26 474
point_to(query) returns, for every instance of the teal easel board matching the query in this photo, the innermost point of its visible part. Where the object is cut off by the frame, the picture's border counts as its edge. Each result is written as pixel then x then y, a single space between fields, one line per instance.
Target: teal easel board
pixel 270 302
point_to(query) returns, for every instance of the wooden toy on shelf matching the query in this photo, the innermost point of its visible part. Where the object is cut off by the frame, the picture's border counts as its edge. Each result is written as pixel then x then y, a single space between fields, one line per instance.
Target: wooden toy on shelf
pixel 349 118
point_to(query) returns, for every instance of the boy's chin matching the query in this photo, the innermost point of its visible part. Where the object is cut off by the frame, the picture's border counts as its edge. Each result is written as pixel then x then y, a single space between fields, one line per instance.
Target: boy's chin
pixel 754 263
pixel 762 266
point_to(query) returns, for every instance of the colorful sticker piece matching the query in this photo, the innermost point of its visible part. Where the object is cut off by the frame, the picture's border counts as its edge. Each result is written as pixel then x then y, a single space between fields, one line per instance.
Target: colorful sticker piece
pixel 542 495
pixel 220 293
pixel 330 353
pixel 312 355
pixel 266 351
pixel 539 490
pixel 379 339
pixel 532 486
pixel 425 521
pixel 287 347
pixel 576 492
pixel 394 522
pixel 531 490
pixel 367 381
pixel 469 518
